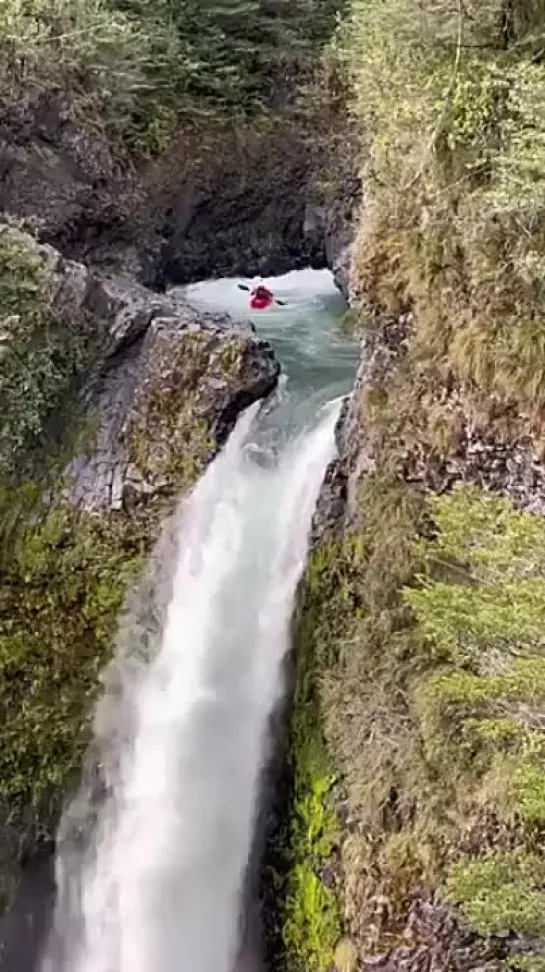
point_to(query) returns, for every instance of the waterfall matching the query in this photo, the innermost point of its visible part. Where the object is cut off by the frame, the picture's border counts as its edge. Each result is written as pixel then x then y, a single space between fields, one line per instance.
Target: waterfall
pixel 158 887
pixel 153 851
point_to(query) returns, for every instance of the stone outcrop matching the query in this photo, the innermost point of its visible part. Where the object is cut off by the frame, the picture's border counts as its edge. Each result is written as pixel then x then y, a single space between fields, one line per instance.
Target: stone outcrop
pixel 167 401
pixel 166 385
pixel 52 168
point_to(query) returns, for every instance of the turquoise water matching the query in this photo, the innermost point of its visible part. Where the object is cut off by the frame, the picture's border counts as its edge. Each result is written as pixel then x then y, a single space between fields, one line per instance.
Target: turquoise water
pixel 318 361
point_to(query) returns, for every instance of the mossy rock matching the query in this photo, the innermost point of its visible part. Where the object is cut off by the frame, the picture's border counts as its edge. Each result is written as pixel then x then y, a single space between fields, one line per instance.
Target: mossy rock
pixel 60 598
pixel 42 348
pixel 195 383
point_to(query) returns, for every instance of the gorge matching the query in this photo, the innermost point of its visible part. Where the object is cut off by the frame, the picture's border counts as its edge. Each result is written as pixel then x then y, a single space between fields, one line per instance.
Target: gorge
pixel 153 153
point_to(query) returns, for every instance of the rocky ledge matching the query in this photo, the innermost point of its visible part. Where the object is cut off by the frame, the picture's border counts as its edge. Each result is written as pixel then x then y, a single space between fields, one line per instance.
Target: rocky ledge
pixel 163 384
pixel 166 400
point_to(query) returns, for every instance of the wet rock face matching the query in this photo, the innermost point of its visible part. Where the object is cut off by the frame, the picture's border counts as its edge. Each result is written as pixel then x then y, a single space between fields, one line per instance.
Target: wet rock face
pixel 166 404
pixel 219 202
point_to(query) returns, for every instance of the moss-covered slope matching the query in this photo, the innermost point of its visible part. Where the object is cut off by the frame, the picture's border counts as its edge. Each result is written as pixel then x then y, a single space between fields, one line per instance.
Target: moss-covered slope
pixel 429 690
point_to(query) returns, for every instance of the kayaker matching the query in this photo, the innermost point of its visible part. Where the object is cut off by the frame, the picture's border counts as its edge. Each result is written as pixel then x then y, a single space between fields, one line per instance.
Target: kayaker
pixel 261 298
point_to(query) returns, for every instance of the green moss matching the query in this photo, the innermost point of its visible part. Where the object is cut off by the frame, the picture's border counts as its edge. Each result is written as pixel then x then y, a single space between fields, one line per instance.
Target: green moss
pixel 500 893
pixel 230 356
pixel 312 924
pixel 60 599
pixel 313 921
pixel 41 351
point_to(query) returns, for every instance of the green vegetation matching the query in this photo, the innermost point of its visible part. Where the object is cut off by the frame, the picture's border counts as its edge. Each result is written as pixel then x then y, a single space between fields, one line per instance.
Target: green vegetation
pixel 312 923
pixel 430 682
pixel 312 913
pixel 449 99
pixel 136 66
pixel 483 628
pixel 432 693
pixel 500 893
pixel 60 597
pixel 40 352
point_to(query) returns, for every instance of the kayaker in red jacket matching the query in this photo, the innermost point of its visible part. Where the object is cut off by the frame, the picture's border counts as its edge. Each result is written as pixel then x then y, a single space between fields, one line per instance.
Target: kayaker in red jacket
pixel 261 297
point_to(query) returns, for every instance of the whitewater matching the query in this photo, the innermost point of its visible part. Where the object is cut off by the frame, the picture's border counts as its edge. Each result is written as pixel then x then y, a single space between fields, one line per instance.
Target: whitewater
pixel 154 880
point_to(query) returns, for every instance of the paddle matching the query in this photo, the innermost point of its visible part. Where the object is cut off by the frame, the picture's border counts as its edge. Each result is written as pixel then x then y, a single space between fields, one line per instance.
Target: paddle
pixel 281 303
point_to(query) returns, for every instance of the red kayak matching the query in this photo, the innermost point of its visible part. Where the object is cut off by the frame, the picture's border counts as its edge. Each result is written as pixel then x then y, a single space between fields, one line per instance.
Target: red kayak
pixel 261 298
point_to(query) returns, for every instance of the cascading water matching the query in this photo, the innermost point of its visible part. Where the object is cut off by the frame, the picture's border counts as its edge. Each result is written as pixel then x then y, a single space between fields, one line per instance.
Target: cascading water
pixel 158 888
